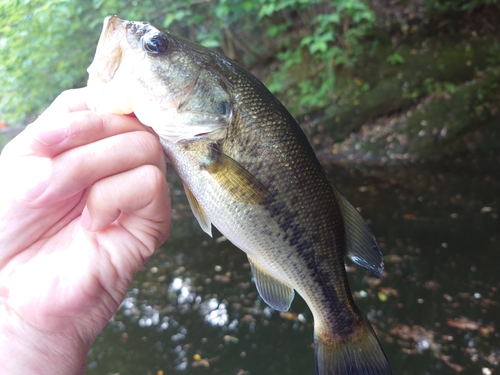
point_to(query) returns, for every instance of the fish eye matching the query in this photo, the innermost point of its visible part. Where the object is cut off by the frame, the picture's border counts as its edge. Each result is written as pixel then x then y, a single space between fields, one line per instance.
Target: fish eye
pixel 155 44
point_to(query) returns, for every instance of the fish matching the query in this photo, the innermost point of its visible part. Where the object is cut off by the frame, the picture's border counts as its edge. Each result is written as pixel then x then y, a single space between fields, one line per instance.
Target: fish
pixel 249 170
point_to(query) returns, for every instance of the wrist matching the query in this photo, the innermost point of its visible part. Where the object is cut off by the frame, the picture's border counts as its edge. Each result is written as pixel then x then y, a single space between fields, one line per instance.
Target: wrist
pixel 28 351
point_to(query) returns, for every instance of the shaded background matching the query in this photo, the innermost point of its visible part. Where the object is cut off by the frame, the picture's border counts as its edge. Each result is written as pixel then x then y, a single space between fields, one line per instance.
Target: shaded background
pixel 400 100
pixel 193 309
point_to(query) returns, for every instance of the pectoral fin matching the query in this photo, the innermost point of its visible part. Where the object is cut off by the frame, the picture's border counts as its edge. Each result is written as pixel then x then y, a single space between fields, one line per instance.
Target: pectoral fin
pixel 362 247
pixel 236 180
pixel 198 212
pixel 276 294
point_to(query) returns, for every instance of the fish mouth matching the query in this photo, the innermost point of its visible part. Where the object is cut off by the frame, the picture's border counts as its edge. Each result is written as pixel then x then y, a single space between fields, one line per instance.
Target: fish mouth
pixel 112 25
pixel 116 86
pixel 109 52
pixel 113 45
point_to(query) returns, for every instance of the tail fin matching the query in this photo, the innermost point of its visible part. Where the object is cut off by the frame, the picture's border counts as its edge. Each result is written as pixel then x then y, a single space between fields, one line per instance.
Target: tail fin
pixel 360 354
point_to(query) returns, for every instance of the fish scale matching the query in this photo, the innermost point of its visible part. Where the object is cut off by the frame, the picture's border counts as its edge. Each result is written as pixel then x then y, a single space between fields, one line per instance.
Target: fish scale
pixel 247 169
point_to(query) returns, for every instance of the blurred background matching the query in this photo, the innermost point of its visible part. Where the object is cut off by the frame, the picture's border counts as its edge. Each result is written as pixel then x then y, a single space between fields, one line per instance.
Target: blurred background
pixel 401 101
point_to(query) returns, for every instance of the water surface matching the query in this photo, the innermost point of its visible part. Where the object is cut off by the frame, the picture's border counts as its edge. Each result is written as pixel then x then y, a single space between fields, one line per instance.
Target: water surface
pixel 194 310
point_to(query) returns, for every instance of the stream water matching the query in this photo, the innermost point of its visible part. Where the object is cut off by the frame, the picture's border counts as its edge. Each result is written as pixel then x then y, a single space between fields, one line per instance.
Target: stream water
pixel 194 310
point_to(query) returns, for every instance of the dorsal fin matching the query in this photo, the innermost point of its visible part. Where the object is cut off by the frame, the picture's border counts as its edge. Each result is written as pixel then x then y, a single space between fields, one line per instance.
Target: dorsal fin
pixel 361 245
pixel 273 291
pixel 235 179
pixel 198 212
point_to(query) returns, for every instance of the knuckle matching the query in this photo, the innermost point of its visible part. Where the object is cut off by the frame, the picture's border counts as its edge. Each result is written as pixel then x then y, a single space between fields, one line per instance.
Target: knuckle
pixel 94 122
pixel 148 146
pixel 154 177
pixel 82 124
pixel 152 143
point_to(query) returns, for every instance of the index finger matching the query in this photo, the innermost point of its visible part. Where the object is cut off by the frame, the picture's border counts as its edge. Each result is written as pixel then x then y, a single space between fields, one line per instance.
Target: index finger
pixel 68 101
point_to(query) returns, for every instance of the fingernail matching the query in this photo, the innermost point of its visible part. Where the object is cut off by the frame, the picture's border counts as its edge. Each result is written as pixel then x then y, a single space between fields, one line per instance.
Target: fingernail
pixel 52 137
pixel 85 220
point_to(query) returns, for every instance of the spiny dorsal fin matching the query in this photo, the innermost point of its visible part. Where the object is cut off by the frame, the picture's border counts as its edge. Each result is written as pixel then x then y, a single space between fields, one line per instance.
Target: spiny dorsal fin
pixel 198 212
pixel 276 294
pixel 361 245
pixel 236 180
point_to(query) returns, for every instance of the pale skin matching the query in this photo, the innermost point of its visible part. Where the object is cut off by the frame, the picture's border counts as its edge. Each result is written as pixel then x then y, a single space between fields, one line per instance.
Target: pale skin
pixel 83 204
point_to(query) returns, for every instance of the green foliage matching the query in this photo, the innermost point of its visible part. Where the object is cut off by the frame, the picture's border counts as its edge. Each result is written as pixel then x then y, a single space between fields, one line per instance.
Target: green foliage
pixel 37 45
pixel 459 5
pixel 46 45
pixel 494 50
pixel 429 86
pixel 395 59
pixel 335 31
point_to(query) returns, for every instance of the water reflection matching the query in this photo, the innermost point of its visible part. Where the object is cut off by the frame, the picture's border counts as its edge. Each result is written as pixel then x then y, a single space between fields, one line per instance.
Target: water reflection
pixel 193 308
pixel 215 312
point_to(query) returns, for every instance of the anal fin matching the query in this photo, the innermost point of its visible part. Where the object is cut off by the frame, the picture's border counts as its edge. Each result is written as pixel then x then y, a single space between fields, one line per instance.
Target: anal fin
pixel 361 245
pixel 198 212
pixel 272 290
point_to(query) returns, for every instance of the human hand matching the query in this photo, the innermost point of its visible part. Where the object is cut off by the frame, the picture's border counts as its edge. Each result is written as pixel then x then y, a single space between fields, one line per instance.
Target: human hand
pixel 83 204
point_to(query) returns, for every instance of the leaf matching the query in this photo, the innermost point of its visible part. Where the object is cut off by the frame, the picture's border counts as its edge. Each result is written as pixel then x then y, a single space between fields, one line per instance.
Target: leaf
pixel 395 59
pixel 210 43
pixel 382 297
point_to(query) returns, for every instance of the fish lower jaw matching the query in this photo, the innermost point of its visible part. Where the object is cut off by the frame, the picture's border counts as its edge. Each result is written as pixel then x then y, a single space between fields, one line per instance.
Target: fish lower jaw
pixel 174 131
pixel 110 108
pixel 173 134
pixel 106 98
pixel 163 122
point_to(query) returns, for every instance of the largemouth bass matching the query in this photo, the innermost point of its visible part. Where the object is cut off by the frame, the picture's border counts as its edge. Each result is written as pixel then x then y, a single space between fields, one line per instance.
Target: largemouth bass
pixel 247 169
